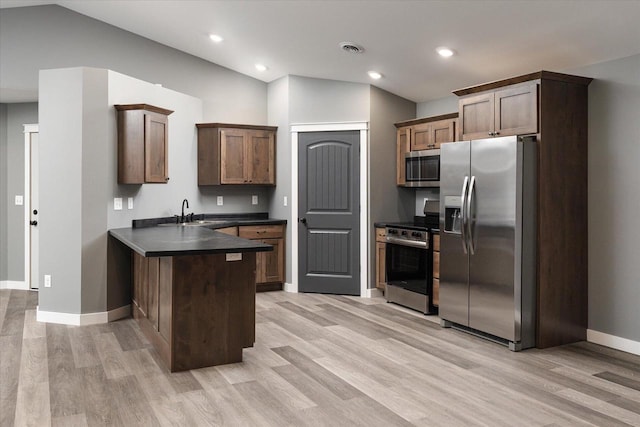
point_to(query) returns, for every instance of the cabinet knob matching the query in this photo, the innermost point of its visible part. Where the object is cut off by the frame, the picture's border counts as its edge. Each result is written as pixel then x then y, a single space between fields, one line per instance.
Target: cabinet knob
pixel 496 133
pixel 491 133
pixel 166 179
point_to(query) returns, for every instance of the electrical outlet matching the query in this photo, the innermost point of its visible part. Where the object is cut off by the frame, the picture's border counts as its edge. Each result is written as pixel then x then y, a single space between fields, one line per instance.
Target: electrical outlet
pixel 47 280
pixel 254 200
pixel 220 201
pixel 117 203
pixel 130 203
pixel 285 200
pixel 19 200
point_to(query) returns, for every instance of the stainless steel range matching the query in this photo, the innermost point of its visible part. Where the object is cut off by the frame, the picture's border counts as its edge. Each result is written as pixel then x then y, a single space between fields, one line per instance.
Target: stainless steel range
pixel 409 267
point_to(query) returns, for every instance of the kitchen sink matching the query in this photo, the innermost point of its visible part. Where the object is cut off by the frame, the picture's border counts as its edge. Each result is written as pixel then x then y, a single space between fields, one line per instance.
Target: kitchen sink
pixel 201 223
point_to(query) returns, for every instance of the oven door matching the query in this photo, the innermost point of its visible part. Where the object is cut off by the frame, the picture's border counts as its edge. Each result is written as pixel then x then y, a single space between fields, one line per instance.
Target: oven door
pixel 407 267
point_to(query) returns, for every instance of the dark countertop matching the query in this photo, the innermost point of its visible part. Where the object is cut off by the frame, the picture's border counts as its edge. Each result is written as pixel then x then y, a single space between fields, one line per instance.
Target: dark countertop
pixel 226 220
pixel 183 240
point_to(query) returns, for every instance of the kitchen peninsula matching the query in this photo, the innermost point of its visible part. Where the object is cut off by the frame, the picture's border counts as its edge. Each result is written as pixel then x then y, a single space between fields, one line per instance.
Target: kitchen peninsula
pixel 193 291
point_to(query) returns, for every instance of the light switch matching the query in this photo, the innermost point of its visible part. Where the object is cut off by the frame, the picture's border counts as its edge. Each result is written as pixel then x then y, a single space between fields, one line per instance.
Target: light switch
pixel 19 200
pixel 47 280
pixel 130 203
pixel 285 200
pixel 117 203
pixel 220 201
pixel 254 200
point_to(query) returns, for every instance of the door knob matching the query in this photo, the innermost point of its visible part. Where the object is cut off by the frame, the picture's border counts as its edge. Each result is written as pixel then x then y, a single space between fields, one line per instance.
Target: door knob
pixel 303 220
pixel 35 211
pixel 34 223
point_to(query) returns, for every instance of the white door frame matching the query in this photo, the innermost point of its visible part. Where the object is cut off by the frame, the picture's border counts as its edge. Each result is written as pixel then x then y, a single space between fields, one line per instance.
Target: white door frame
pixel 363 127
pixel 27 130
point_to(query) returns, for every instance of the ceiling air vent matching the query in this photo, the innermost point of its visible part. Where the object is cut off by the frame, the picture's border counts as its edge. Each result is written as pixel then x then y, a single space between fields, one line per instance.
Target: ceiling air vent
pixel 351 47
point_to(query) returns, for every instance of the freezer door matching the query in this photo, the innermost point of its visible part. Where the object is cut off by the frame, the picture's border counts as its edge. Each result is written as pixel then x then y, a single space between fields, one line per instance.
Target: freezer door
pixel 454 259
pixel 492 207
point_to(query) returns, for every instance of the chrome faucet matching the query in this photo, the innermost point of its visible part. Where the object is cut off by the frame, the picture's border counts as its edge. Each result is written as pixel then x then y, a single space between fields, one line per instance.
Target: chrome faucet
pixel 182 217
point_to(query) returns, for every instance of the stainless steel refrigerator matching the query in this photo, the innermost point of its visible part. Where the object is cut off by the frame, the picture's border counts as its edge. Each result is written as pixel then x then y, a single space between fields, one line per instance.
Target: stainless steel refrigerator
pixel 488 238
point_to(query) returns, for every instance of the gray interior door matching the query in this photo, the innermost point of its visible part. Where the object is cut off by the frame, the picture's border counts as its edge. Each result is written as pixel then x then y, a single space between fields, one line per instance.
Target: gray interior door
pixel 329 212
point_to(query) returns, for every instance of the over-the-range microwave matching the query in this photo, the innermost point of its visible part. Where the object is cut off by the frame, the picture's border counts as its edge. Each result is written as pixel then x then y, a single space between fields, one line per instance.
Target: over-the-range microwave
pixel 422 168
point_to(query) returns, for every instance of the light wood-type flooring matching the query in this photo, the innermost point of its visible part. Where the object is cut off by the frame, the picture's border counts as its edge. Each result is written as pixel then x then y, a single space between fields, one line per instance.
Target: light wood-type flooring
pixel 318 360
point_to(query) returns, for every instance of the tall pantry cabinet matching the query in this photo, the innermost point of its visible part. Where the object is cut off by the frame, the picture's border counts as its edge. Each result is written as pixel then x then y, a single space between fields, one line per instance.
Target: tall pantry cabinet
pixel 554 107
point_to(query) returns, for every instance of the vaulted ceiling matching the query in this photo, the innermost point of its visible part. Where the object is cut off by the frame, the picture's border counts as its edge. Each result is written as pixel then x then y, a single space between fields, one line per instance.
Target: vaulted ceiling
pixel 492 39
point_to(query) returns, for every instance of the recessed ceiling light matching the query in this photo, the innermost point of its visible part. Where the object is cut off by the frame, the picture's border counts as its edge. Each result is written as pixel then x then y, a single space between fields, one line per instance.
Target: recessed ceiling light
pixel 374 75
pixel 261 67
pixel 216 38
pixel 445 51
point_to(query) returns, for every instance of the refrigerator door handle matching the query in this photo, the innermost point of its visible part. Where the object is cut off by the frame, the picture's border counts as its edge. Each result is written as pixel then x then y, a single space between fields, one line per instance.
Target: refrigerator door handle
pixel 463 210
pixel 469 220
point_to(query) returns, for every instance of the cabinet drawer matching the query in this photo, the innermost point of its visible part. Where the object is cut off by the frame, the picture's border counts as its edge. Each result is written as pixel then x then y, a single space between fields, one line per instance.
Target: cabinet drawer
pixel 381 234
pixel 436 264
pixel 436 243
pixel 261 231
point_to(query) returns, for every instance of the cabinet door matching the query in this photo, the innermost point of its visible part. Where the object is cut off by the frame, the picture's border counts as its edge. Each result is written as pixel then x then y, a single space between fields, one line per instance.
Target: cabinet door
pixel 155 148
pixel 233 168
pixel 442 131
pixel 476 116
pixel 381 271
pixel 403 138
pixel 269 265
pixel 421 137
pixel 261 157
pixel 516 110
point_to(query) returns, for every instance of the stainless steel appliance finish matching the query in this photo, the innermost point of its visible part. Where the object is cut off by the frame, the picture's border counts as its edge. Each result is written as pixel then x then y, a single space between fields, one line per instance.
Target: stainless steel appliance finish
pixel 409 268
pixel 487 240
pixel 422 168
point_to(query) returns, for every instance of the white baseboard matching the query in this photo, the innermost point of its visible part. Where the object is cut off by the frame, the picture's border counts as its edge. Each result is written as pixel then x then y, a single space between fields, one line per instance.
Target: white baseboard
pixel 14 284
pixel 83 319
pixel 613 341
pixel 289 287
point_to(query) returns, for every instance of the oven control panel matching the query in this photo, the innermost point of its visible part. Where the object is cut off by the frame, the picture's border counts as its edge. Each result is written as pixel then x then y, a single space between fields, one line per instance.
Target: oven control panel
pixel 411 237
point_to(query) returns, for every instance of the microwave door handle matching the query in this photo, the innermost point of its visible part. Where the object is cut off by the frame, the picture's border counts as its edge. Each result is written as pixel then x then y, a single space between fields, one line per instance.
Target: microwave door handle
pixel 470 218
pixel 463 225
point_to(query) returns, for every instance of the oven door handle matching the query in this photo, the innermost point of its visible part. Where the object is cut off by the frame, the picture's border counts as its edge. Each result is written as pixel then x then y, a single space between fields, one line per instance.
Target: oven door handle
pixel 411 243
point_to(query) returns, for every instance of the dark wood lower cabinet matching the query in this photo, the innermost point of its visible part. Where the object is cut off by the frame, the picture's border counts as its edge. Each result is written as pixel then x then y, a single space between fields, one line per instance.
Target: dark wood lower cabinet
pixel 197 310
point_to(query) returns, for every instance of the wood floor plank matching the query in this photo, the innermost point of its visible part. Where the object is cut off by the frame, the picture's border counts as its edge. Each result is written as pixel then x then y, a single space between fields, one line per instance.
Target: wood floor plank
pixel 621 415
pixel 78 420
pixel 338 386
pixel 318 360
pixel 619 379
pixel 265 405
pixel 11 346
pixel 307 314
pixel 33 328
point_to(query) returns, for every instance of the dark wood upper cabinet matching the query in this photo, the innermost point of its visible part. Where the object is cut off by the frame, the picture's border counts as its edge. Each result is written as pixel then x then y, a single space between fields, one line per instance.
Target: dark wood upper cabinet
pixel 512 111
pixel 142 144
pixel 236 154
